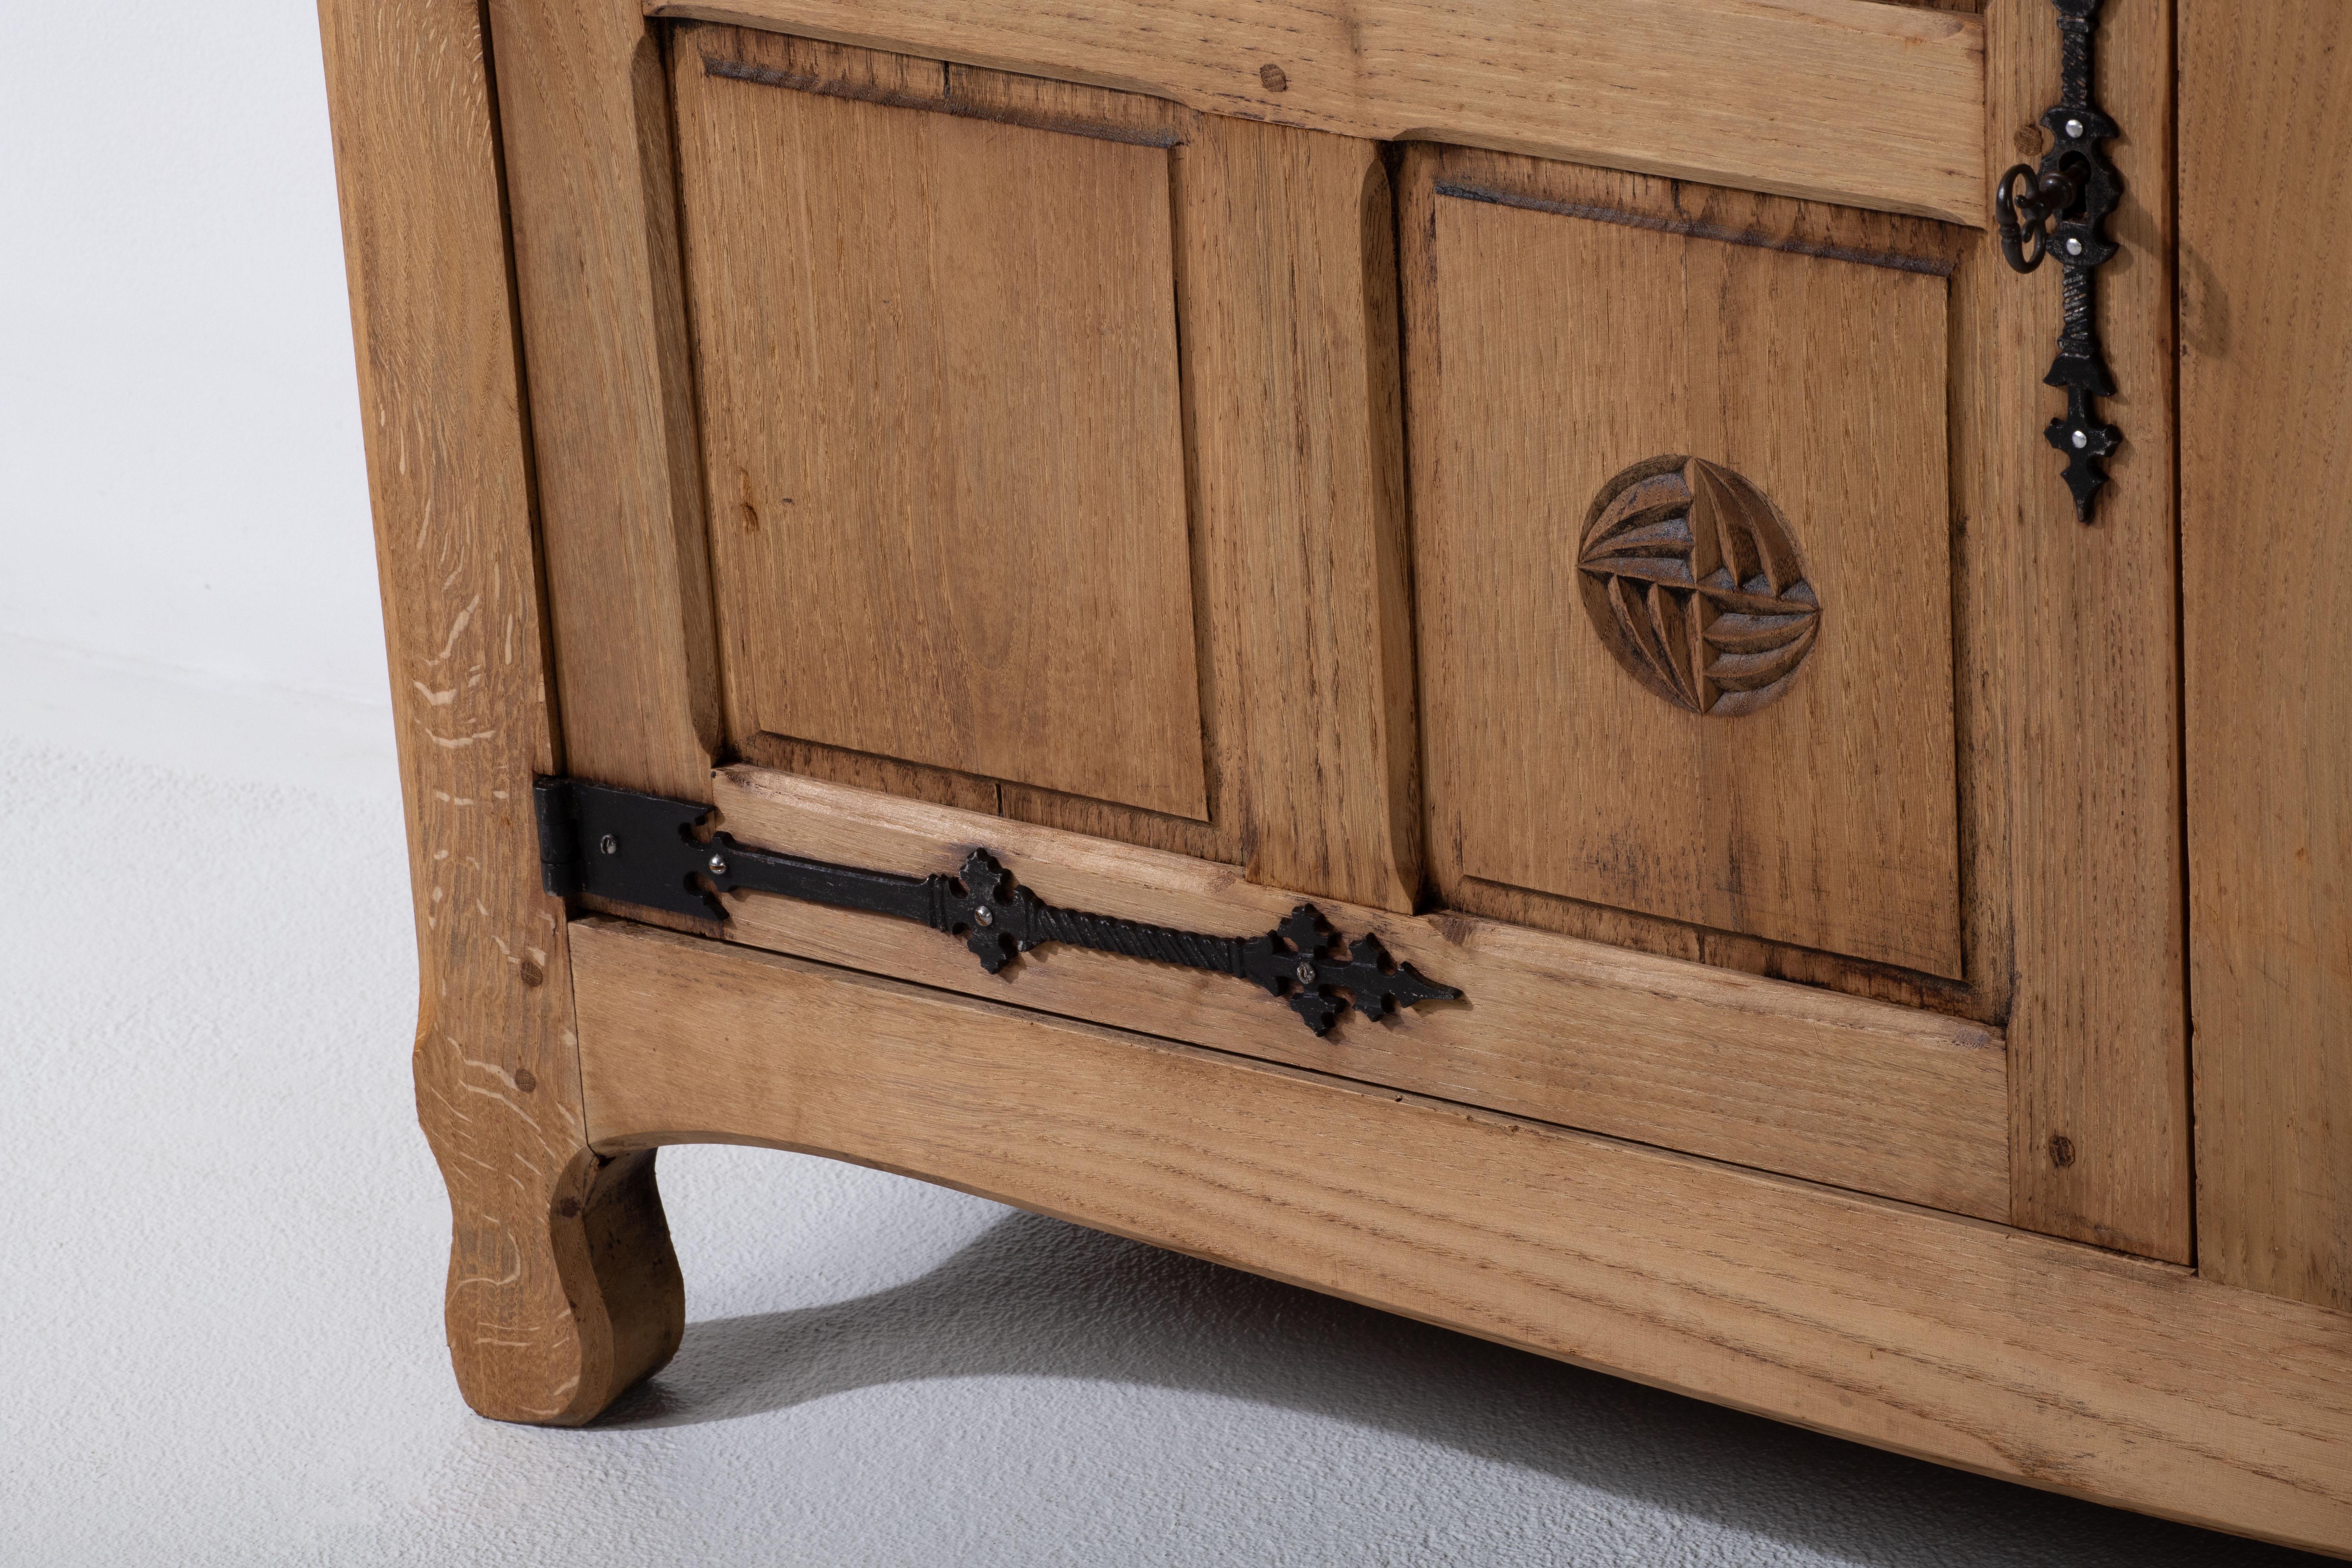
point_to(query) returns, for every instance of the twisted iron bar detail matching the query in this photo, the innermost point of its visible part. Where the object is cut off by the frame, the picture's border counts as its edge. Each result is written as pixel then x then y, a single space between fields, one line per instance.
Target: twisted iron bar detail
pixel 646 849
pixel 2073 192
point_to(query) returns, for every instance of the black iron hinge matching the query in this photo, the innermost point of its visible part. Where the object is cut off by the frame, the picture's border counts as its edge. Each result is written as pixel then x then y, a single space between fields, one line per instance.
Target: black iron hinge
pixel 2063 212
pixel 648 851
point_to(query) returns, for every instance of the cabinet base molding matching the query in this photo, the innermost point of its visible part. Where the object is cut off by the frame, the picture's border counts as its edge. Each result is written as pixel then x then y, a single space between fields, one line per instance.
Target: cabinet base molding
pixel 2066 1367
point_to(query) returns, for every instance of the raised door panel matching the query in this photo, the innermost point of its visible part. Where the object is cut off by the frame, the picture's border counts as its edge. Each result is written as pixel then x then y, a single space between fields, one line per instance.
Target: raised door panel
pixel 943 421
pixel 1054 443
pixel 1684 525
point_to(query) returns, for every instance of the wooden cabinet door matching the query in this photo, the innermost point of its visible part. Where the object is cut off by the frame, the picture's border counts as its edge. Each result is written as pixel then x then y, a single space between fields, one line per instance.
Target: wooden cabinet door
pixel 1647 606
pixel 1756 627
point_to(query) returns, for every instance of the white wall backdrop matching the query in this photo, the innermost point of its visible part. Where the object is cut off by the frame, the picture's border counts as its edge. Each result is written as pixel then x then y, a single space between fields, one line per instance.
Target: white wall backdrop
pixel 181 478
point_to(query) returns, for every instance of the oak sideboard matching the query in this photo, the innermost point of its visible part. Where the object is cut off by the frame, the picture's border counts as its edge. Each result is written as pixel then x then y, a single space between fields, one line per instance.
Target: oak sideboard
pixel 1668 680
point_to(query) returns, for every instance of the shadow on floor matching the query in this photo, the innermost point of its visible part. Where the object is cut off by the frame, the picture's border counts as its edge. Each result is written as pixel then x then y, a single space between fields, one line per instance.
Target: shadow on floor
pixel 1036 1297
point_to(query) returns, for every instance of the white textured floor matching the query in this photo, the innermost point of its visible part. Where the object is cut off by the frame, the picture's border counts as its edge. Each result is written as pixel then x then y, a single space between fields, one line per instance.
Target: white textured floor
pixel 223 1248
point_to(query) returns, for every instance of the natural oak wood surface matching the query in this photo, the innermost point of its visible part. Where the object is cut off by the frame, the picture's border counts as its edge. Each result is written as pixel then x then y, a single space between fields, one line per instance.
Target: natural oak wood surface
pixel 1733 91
pixel 2266 583
pixel 1989 370
pixel 2098 1022
pixel 1569 324
pixel 1836 1088
pixel 936 317
pixel 1281 269
pixel 2053 1363
pixel 939 785
pixel 1215 839
pixel 1575 1158
pixel 562 1290
pixel 2066 704
pixel 1984 566
pixel 585 127
pixel 1291 335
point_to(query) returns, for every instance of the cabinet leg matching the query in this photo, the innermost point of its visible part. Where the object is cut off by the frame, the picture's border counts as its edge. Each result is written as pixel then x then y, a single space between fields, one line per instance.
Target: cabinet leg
pixel 564 1289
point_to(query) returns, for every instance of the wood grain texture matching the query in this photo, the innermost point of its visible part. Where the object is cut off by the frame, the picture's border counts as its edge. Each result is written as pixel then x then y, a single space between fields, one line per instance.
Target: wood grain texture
pixel 1832 1087
pixel 1569 917
pixel 1568 324
pixel 1725 950
pixel 939 785
pixel 2266 584
pixel 1726 90
pixel 1988 369
pixel 563 1288
pixel 584 126
pixel 1291 338
pixel 1211 840
pixel 2098 1024
pixel 936 318
pixel 2018 1356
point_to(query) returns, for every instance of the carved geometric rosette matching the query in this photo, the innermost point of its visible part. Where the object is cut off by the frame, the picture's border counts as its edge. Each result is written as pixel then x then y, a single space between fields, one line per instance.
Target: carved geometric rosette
pixel 1690 576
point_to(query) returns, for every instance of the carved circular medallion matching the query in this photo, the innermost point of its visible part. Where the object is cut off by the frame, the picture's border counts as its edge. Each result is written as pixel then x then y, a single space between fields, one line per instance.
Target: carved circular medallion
pixel 1690 577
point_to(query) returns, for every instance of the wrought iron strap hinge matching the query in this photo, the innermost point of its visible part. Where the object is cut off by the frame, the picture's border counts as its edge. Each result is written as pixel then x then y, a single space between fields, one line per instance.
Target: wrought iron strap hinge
pixel 2062 212
pixel 651 851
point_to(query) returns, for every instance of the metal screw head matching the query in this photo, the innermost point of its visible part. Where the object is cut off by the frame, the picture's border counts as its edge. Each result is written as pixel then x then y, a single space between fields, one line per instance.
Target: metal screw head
pixel 2082 439
pixel 2074 127
pixel 718 864
pixel 2074 247
pixel 983 916
pixel 1306 971
pixel 609 845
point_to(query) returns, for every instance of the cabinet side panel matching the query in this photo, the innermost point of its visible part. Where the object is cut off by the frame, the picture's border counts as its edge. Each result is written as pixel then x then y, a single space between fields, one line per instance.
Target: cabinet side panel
pixel 2266 541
